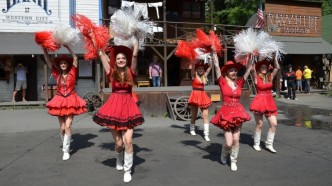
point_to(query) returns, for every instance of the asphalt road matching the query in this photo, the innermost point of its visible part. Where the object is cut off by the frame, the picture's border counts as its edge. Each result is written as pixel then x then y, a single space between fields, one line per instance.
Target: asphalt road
pixel 165 153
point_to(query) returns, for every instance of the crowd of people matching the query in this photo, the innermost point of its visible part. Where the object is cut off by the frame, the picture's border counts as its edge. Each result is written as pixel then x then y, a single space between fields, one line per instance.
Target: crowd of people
pixel 297 81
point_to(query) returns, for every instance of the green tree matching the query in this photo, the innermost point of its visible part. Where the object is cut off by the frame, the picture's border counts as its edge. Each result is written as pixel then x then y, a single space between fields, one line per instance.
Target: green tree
pixel 327 7
pixel 233 12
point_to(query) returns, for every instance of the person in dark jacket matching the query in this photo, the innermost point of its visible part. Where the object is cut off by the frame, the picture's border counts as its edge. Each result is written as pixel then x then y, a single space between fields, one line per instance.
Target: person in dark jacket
pixel 290 76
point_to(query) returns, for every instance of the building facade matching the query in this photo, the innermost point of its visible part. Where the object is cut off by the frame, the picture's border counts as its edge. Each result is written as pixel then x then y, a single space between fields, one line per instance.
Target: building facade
pixel 19 20
pixel 298 25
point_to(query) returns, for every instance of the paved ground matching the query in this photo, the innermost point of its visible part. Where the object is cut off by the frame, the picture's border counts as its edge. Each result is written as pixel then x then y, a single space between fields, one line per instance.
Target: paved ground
pixel 165 154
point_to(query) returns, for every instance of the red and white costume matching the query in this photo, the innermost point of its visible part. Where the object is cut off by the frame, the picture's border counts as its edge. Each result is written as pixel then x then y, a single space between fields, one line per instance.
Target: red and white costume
pixel 198 96
pixel 263 102
pixel 66 101
pixel 120 112
pixel 232 114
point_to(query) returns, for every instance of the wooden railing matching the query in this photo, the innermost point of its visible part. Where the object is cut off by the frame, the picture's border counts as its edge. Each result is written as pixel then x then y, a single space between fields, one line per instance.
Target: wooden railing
pixel 185 30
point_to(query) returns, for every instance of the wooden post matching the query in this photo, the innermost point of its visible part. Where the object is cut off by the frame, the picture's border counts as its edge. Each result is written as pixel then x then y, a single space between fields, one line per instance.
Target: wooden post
pixel 98 75
pixel 165 45
pixel 46 82
pixel 278 86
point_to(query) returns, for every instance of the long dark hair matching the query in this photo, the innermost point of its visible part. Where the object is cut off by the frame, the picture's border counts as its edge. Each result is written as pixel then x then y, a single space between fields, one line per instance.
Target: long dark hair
pixel 116 75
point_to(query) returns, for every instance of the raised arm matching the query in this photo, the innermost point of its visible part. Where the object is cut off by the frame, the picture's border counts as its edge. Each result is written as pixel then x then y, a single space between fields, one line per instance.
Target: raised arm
pixel 75 61
pixel 192 70
pixel 276 68
pixel 134 58
pixel 105 60
pixel 208 70
pixel 47 59
pixel 216 65
pixel 248 70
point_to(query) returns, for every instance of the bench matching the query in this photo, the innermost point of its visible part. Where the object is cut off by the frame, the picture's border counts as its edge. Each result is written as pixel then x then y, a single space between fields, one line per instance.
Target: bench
pixel 143 83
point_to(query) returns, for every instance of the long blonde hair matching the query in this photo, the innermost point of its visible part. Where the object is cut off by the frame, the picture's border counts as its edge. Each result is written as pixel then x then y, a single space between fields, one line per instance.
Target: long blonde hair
pixel 266 78
pixel 203 78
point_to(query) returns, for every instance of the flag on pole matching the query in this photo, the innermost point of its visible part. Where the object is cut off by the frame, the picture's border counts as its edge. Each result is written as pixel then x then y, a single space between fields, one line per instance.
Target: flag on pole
pixel 260 16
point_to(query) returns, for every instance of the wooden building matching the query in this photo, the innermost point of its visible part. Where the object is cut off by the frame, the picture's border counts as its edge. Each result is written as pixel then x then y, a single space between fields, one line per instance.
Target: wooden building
pixel 298 25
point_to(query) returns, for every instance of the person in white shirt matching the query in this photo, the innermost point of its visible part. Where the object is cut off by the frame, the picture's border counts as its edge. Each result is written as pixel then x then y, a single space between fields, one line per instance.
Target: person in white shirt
pixel 21 81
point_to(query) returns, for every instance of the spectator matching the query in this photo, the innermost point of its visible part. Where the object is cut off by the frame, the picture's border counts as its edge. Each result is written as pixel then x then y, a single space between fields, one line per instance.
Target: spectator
pixel 21 81
pixel 298 75
pixel 155 71
pixel 307 77
pixel 290 77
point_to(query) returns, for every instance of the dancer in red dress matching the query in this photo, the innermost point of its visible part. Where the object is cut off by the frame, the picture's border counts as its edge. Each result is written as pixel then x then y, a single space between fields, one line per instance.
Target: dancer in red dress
pixel 198 97
pixel 66 103
pixel 120 113
pixel 263 103
pixel 232 114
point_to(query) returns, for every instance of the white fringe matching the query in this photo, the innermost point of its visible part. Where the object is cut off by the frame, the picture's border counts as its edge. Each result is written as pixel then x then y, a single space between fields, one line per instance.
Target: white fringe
pixel 65 35
pixel 125 25
pixel 250 42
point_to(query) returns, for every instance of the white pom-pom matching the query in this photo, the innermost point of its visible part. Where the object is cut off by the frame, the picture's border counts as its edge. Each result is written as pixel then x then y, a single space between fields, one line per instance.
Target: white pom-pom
pixel 245 42
pixel 125 26
pixel 65 35
pixel 257 43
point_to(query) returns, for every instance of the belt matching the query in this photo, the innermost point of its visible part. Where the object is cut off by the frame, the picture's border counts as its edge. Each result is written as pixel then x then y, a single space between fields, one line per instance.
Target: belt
pixel 60 94
pixel 201 89
pixel 231 104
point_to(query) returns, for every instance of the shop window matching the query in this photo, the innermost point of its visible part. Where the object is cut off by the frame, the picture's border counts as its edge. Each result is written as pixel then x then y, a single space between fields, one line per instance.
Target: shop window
pixel 191 9
pixel 86 69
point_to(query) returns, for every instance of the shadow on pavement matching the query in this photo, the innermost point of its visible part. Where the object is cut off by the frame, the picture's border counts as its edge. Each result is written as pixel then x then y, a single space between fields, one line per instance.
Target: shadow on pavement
pixel 81 141
pixel 137 160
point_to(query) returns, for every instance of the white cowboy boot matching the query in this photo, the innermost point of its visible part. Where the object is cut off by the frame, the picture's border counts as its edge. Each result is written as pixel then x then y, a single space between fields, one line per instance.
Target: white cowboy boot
pixel 234 155
pixel 128 163
pixel 66 147
pixel 119 160
pixel 192 129
pixel 224 154
pixel 269 142
pixel 206 132
pixel 257 141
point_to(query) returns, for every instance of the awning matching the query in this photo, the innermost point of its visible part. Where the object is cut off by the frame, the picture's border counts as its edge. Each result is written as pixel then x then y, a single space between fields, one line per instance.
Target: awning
pixel 24 44
pixel 304 45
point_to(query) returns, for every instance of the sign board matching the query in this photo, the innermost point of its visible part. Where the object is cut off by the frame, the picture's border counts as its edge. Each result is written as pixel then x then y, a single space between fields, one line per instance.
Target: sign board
pixel 37 15
pixel 287 18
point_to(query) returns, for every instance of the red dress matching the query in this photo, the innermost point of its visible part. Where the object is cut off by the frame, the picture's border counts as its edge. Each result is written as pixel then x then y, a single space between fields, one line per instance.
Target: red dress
pixel 198 96
pixel 120 112
pixel 232 114
pixel 66 101
pixel 263 102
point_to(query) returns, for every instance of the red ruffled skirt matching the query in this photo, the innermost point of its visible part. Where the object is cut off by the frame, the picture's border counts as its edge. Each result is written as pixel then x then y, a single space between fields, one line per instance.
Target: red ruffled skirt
pixel 120 112
pixel 264 104
pixel 230 117
pixel 65 106
pixel 200 99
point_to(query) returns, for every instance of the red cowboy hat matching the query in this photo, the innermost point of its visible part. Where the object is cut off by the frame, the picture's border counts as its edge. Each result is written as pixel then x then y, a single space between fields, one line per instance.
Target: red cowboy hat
pixel 230 64
pixel 115 50
pixel 260 63
pixel 69 60
pixel 201 64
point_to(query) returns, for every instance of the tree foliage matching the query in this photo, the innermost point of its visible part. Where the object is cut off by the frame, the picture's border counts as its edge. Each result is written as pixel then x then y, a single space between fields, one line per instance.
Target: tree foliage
pixel 327 7
pixel 233 12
